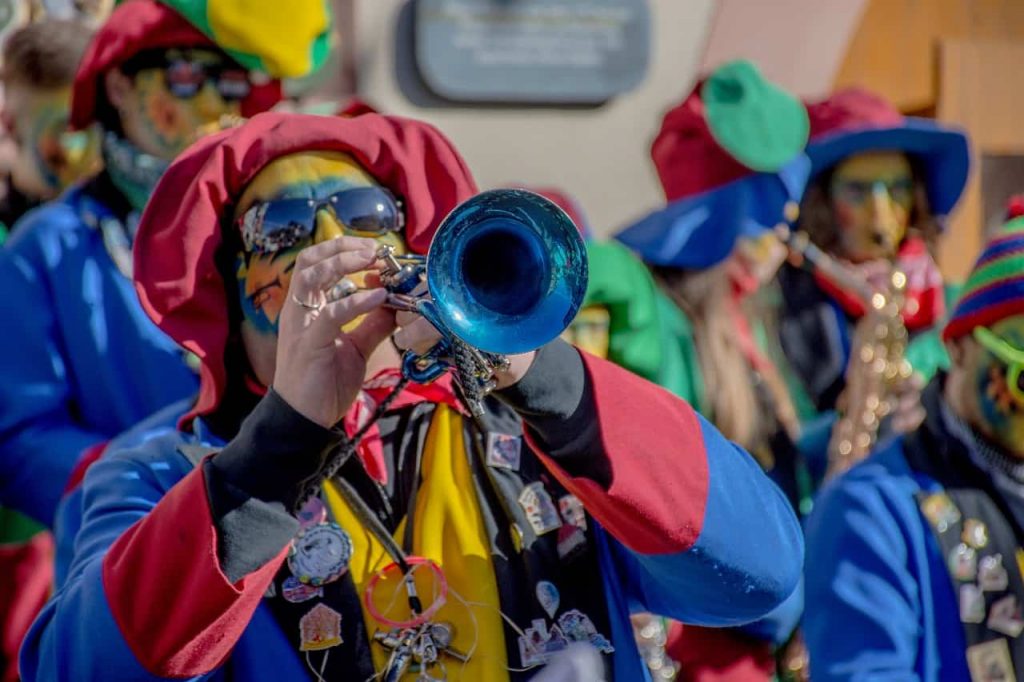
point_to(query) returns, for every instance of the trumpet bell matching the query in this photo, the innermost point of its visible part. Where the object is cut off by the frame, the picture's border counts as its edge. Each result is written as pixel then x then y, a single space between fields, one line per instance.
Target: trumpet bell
pixel 507 271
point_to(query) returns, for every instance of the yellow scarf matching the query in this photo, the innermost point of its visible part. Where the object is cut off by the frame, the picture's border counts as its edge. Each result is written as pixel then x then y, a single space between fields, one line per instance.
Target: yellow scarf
pixel 450 531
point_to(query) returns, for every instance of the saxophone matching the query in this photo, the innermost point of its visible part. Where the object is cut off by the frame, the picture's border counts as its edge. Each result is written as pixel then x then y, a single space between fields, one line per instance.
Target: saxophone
pixel 877 364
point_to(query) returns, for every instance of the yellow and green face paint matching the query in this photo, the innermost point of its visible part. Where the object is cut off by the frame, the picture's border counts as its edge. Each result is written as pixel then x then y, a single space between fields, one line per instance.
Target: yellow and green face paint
pixel 999 376
pixel 872 200
pixel 263 278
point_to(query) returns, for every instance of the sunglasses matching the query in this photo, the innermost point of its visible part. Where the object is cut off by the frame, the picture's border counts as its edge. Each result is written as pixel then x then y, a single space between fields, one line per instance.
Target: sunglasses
pixel 1012 357
pixel 900 190
pixel 186 78
pixel 277 225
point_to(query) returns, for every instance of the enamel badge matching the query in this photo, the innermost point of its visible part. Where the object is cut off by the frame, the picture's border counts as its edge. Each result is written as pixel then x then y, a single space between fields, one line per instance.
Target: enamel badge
pixel 538 643
pixel 939 509
pixel 571 509
pixel 296 593
pixel 313 513
pixel 539 508
pixel 991 661
pixel 504 451
pixel 1005 617
pixel 992 576
pixel 320 554
pixel 963 563
pixel 320 629
pixel 972 604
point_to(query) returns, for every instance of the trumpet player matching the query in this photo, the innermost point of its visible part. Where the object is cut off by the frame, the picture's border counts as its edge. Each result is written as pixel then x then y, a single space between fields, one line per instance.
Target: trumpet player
pixel 915 559
pixel 314 516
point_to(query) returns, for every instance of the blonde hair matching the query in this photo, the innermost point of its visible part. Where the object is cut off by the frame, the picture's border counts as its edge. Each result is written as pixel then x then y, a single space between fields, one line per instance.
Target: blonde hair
pixel 730 393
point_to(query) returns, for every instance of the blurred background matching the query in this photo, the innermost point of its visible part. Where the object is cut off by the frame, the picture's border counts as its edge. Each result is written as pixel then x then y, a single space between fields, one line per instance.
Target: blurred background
pixel 571 92
pixel 930 57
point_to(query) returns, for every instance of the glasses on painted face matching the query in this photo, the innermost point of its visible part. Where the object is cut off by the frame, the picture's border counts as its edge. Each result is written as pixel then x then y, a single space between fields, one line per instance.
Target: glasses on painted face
pixel 185 74
pixel 1012 357
pixel 900 190
pixel 277 225
pixel 185 79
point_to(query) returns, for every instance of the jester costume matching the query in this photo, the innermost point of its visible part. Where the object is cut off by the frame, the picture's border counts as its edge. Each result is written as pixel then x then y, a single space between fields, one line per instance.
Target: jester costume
pixel 583 492
pixel 81 362
pixel 916 551
pixel 818 315
pixel 740 187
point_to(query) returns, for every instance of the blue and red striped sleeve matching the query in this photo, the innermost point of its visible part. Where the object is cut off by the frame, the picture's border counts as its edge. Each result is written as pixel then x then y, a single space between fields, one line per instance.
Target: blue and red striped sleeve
pixel 698 531
pixel 145 597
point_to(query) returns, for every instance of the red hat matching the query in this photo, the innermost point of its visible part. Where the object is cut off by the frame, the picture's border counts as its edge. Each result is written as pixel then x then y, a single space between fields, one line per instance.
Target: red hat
pixel 135 26
pixel 686 155
pixel 734 123
pixel 176 275
pixel 855 120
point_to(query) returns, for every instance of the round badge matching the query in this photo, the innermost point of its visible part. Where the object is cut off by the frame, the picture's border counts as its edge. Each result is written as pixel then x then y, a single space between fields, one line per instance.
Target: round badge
pixel 320 554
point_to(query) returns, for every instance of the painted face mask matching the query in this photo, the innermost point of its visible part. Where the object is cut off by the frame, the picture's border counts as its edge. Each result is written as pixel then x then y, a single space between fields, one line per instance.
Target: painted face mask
pixel 872 198
pixel 50 156
pixel 1000 380
pixel 180 95
pixel 296 201
pixel 590 330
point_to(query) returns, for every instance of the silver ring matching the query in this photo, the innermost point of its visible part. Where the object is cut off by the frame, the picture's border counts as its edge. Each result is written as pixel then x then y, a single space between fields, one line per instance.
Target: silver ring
pixel 343 289
pixel 307 306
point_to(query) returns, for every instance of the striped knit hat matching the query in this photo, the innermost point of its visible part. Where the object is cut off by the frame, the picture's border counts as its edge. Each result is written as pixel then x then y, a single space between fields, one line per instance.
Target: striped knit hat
pixel 995 288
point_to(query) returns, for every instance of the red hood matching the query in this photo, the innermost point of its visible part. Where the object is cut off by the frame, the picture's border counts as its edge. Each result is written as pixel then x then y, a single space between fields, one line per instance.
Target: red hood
pixel 176 275
pixel 135 26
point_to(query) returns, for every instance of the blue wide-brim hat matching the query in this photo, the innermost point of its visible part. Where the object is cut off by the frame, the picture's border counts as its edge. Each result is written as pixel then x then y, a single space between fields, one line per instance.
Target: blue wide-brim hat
pixel 855 121
pixel 700 231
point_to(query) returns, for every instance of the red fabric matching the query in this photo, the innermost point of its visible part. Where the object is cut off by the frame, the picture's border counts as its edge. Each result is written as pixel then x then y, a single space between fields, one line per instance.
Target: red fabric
pixel 851 109
pixel 185 295
pixel 356 107
pixel 135 26
pixel 82 465
pixel 173 551
pixel 1015 207
pixel 687 157
pixel 962 325
pixel 26 578
pixel 371 448
pixel 564 202
pixel 655 504
pixel 925 300
pixel 717 655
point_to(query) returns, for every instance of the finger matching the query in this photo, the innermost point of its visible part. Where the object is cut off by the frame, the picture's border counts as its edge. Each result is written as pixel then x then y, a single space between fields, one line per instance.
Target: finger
pixel 339 313
pixel 327 273
pixel 372 331
pixel 317 253
pixel 419 337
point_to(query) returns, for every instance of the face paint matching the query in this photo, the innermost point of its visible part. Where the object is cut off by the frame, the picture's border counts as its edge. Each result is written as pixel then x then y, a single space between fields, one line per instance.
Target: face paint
pixel 590 330
pixel 164 124
pixel 50 157
pixel 263 278
pixel 762 256
pixel 872 198
pixel 1001 409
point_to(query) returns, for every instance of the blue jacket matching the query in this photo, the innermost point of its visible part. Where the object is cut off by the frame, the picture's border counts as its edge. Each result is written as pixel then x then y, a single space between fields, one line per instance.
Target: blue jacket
pixel 80 360
pixel 880 603
pixel 702 536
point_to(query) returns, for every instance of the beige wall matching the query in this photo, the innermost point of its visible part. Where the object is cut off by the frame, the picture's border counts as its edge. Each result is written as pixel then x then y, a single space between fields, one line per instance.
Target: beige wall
pixel 600 155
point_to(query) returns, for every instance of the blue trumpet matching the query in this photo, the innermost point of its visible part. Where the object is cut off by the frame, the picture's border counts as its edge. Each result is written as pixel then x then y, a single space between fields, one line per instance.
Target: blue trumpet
pixel 506 273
